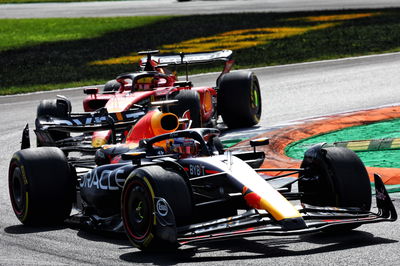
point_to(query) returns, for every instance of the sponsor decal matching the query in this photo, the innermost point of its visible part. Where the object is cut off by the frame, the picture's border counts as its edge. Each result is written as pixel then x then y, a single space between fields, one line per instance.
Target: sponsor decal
pixel 196 170
pixel 162 207
pixel 380 195
pixel 90 120
pixel 105 180
pixel 82 121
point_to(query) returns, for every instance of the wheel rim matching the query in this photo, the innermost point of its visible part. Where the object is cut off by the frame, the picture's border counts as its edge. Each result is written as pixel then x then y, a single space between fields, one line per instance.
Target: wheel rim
pixel 138 211
pixel 255 99
pixel 17 191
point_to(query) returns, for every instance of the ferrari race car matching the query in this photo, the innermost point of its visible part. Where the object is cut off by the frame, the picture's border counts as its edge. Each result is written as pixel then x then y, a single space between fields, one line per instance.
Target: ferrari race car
pixel 182 187
pixel 236 96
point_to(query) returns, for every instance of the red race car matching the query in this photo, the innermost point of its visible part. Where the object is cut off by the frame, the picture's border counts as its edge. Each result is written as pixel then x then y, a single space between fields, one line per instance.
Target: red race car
pixel 236 96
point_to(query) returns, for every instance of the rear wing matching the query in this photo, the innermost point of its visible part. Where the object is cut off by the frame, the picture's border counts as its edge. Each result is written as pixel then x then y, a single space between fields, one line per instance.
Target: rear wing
pixel 147 63
pixel 90 122
pixel 81 123
pixel 193 58
pixel 116 122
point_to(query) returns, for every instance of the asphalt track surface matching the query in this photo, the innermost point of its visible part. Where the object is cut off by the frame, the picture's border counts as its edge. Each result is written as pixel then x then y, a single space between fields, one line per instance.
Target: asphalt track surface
pixel 172 7
pixel 289 93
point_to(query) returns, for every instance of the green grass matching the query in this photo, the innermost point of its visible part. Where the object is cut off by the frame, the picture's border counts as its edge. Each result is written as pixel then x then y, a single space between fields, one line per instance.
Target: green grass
pixel 38 54
pixel 17 33
pixel 384 157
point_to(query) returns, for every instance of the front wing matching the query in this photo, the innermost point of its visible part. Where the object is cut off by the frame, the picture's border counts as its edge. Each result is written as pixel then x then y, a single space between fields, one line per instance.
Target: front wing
pixel 255 222
pixel 251 223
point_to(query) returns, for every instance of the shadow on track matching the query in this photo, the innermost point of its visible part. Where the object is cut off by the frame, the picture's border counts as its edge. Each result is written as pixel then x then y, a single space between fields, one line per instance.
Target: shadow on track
pixel 23 229
pixel 256 248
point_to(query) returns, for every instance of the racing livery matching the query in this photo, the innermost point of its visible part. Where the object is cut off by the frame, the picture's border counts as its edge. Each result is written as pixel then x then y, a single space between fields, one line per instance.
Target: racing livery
pixel 183 187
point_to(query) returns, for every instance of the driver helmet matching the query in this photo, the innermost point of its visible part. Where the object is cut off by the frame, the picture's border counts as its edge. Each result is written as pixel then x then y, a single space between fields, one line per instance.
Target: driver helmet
pixel 185 147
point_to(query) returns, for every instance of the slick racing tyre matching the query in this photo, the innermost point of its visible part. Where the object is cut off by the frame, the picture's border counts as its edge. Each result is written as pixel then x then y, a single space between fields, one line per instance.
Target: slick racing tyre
pixel 336 177
pixel 239 99
pixel 188 100
pixel 145 190
pixel 111 85
pixel 59 108
pixel 41 186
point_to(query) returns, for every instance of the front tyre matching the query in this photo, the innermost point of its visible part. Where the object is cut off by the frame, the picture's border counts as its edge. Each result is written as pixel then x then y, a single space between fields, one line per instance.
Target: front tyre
pixel 41 186
pixel 335 177
pixel 239 99
pixel 138 202
pixel 58 108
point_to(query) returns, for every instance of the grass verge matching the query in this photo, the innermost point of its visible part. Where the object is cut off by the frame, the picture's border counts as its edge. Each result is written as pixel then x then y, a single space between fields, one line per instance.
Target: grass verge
pixel 37 54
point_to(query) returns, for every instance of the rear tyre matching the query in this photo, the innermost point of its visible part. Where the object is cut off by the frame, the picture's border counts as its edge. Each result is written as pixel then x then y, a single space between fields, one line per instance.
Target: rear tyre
pixel 138 206
pixel 111 85
pixel 41 186
pixel 188 100
pixel 59 108
pixel 336 177
pixel 239 99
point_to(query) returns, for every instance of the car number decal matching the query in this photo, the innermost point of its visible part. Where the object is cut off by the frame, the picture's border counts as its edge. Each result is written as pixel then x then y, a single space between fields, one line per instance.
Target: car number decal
pixel 196 170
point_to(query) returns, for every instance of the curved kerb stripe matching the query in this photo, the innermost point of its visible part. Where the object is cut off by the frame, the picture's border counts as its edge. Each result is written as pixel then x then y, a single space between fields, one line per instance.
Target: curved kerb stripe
pixel 280 138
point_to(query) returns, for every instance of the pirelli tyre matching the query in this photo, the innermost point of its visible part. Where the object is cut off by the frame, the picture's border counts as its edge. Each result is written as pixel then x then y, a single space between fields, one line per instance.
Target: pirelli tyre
pixel 335 177
pixel 188 100
pixel 59 108
pixel 239 99
pixel 153 202
pixel 41 186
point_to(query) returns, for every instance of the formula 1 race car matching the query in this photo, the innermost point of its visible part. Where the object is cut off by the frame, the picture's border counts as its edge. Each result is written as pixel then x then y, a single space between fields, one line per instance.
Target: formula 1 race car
pixel 182 187
pixel 236 96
